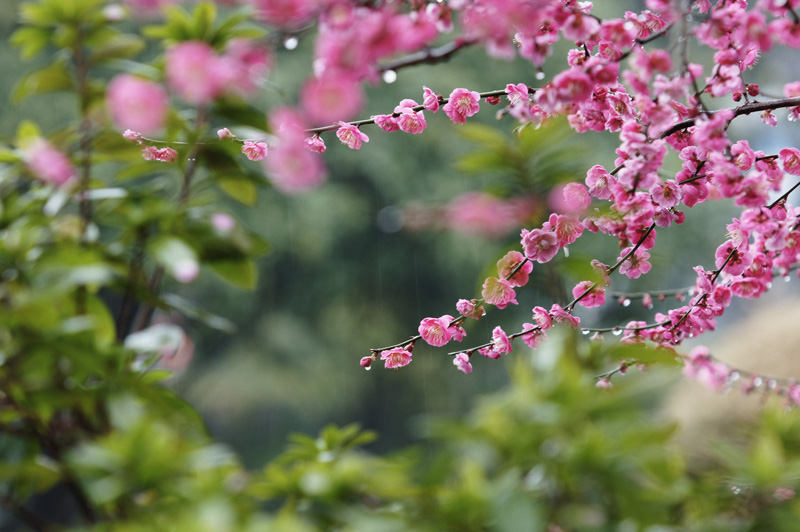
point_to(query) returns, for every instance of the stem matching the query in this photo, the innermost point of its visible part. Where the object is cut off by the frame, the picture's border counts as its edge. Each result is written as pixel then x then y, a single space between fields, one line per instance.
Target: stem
pixel 745 109
pixel 442 101
pixel 429 55
pixel 146 313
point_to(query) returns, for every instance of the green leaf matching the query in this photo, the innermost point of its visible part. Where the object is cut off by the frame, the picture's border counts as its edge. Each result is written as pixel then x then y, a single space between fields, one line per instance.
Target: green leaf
pixel 194 311
pixel 241 189
pixel 204 15
pixel 52 78
pixel 30 41
pixel 9 156
pixel 121 46
pixel 642 353
pixel 26 132
pixel 241 273
pixel 175 255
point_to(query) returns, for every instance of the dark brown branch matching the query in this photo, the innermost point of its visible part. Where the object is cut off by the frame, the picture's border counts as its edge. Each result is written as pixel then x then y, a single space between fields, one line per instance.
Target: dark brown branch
pixel 745 109
pixel 429 55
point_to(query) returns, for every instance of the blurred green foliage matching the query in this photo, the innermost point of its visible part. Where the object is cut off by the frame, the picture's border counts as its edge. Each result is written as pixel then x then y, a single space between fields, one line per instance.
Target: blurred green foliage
pixel 98 435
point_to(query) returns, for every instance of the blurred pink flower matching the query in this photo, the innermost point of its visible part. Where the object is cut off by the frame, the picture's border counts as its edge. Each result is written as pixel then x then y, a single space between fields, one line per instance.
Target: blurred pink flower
pixel 47 163
pixel 136 103
pixel 331 98
pixel 484 214
pixel 196 73
pixel 292 167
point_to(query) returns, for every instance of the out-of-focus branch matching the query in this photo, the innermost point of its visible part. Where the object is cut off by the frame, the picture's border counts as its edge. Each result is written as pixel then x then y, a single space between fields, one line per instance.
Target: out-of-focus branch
pixel 429 55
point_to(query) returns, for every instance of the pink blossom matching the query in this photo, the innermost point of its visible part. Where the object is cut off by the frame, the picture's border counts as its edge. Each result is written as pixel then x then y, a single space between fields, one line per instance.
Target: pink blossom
pixel 509 262
pixel 48 163
pixel 430 100
pixel 396 358
pixel 167 155
pixel 136 103
pixel 498 292
pixel 435 331
pixel 255 151
pixel 291 167
pixel 561 315
pixel 288 14
pixel 470 308
pixel 534 337
pixel 599 180
pixel 331 98
pixel 351 135
pixel 132 136
pixel 539 245
pixel 225 134
pixel 700 366
pixel 636 265
pixel 457 331
pixel 484 214
pixel 409 120
pixel 315 144
pixel 517 93
pixel 742 155
pixel 542 318
pixel 185 270
pixel 790 157
pixel 595 298
pixel 248 63
pixel 738 262
pixel 572 86
pixel 462 104
pixel 149 153
pixel 461 361
pixel 501 345
pixel 574 198
pixel 222 222
pixel 196 73
pixel 387 123
pixel 567 228
pixel 667 194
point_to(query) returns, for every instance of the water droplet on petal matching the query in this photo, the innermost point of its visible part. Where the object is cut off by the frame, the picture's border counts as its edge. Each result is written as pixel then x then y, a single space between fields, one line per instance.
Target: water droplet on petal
pixel 787 278
pixel 390 76
pixel 368 368
pixel 771 384
pixel 290 43
pixel 626 302
pixel 734 376
pixel 758 381
pixel 540 75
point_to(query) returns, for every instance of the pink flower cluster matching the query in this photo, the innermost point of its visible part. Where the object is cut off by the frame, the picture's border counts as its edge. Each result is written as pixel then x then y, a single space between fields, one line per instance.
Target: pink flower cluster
pixel 701 367
pixel 294 165
pixel 48 163
pixel 199 75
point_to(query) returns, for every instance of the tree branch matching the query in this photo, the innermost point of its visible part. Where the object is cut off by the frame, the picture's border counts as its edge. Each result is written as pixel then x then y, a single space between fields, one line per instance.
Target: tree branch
pixel 429 55
pixel 745 109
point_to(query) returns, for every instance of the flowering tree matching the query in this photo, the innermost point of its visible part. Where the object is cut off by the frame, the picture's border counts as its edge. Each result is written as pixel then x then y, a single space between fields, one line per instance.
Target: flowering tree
pixel 97 214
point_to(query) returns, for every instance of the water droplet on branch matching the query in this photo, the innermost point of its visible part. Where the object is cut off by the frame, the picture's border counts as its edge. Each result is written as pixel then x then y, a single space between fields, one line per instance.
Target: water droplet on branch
pixel 290 43
pixel 390 76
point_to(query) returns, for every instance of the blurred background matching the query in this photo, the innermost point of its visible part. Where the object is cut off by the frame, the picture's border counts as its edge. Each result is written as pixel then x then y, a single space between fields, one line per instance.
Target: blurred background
pixel 357 263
